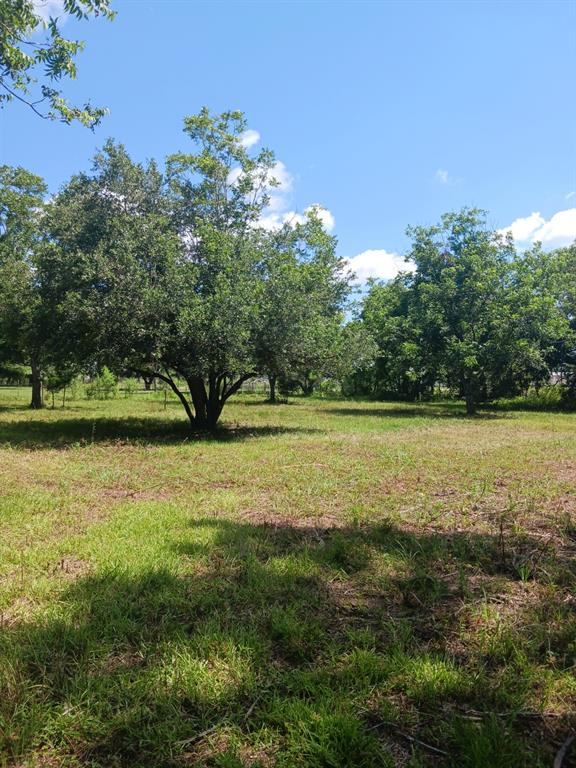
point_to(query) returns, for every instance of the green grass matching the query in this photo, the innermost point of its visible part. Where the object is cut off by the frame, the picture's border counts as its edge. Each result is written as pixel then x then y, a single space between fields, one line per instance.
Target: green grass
pixel 322 584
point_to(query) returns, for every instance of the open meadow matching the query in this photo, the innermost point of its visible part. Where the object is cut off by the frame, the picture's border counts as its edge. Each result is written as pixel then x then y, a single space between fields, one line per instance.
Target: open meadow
pixel 326 584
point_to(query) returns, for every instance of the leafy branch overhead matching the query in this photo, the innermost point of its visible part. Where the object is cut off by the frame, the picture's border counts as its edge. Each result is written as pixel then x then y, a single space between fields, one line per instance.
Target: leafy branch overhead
pixel 34 56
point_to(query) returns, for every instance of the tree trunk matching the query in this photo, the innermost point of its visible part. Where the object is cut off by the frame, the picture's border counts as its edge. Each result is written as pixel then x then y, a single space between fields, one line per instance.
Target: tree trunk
pixel 225 390
pixel 215 402
pixel 213 414
pixel 37 399
pixel 206 405
pixel 470 405
pixel 307 386
pixel 200 400
pixel 272 382
pixel 148 382
pixel 181 396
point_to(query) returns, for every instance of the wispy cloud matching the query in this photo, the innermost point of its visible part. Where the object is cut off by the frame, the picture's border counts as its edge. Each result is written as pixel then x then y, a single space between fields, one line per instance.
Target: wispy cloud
pixel 570 195
pixel 443 177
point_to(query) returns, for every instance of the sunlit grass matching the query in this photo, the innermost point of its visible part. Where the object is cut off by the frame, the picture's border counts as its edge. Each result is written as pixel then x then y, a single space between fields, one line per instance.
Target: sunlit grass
pixel 323 583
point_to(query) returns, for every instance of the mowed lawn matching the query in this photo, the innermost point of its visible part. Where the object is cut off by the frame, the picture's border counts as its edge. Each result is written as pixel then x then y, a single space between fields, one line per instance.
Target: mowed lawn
pixel 322 583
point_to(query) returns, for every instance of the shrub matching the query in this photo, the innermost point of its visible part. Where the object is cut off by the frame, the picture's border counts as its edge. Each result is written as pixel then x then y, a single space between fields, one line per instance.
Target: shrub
pixel 104 386
pixel 76 390
pixel 130 387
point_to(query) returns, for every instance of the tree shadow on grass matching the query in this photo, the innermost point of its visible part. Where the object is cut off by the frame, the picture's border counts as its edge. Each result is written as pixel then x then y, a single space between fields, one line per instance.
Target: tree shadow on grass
pixel 285 644
pixel 279 403
pixel 427 411
pixel 341 407
pixel 23 408
pixel 65 432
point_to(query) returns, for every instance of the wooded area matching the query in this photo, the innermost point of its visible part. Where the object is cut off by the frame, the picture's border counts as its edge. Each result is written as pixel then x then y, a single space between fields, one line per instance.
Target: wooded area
pixel 168 274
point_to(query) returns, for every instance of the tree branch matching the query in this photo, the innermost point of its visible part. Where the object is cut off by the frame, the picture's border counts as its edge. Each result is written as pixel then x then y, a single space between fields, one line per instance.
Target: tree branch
pixel 236 386
pixel 172 384
pixel 25 101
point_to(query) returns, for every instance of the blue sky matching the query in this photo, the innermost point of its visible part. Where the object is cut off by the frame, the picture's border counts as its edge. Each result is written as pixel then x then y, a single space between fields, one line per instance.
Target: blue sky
pixel 386 113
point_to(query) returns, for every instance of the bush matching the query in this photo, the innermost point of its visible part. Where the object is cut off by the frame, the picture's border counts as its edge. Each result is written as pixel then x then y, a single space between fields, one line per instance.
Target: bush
pixel 546 398
pixel 329 388
pixel 104 387
pixel 130 387
pixel 76 390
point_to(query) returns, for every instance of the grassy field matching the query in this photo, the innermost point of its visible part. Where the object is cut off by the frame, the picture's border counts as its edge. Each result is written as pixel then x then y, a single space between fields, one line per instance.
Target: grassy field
pixel 323 584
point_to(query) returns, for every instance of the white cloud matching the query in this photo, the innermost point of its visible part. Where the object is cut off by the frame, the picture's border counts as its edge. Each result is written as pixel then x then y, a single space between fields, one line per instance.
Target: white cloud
pixel 378 263
pixel 559 230
pixel 570 195
pixel 325 216
pixel 47 9
pixel 274 219
pixel 277 192
pixel 555 232
pixel 282 176
pixel 271 219
pixel 442 176
pixel 279 210
pixel 521 229
pixel 249 137
pixel 234 175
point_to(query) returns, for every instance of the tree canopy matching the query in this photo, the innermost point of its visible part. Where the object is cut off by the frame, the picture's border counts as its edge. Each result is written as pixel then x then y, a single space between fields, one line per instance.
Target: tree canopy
pixel 170 275
pixel 474 315
pixel 166 272
pixel 22 333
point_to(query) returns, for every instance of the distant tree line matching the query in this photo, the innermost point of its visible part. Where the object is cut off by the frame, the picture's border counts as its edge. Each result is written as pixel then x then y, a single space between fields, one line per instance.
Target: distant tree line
pixel 168 276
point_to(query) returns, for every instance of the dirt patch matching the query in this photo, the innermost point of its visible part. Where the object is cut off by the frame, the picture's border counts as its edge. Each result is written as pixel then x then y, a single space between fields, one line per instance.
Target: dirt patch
pixel 128 659
pixel 141 495
pixel 90 515
pixel 72 567
pixel 314 525
pixel 355 605
pixel 211 744
pixel 401 754
pixel 17 612
pixel 41 761
pixel 563 470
